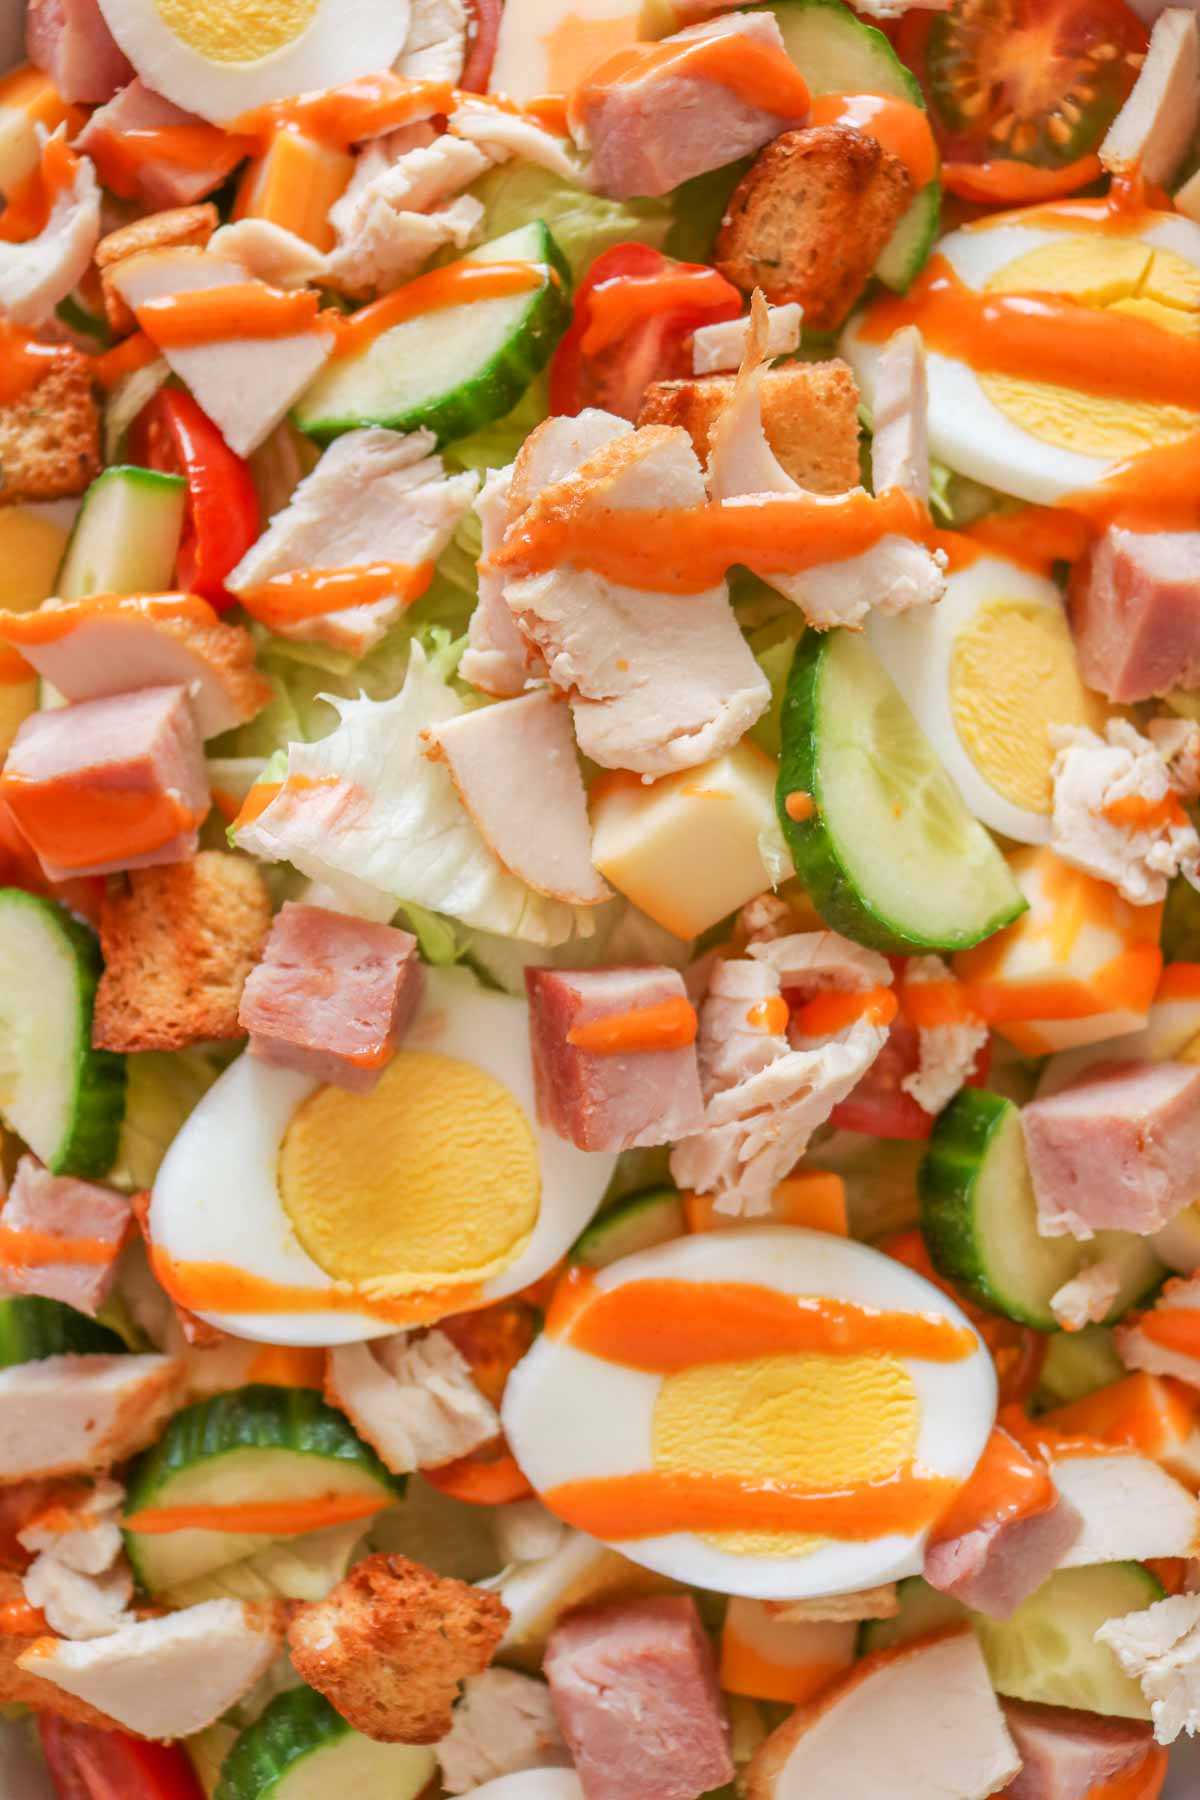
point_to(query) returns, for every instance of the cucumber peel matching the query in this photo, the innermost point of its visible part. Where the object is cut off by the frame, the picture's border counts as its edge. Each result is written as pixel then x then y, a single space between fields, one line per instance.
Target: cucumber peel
pixel 300 1748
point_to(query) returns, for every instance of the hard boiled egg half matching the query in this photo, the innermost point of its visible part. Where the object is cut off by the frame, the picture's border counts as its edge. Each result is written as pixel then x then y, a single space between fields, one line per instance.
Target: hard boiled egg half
pixel 985 672
pixel 1038 440
pixel 768 1411
pixel 296 1213
pixel 221 58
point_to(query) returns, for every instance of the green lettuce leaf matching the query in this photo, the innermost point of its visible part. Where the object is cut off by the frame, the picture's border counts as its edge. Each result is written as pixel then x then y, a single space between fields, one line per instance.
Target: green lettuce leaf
pixel 162 1087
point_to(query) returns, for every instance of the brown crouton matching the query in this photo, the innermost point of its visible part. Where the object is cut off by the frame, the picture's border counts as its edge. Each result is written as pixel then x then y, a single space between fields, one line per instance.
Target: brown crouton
pixel 810 416
pixel 178 943
pixel 50 435
pixel 157 231
pixel 808 219
pixel 390 1644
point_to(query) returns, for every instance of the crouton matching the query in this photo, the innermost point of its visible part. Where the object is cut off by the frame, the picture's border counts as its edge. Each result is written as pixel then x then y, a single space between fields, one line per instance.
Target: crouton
pixel 390 1645
pixel 50 435
pixel 22 1624
pixel 179 941
pixel 192 225
pixel 809 411
pixel 809 218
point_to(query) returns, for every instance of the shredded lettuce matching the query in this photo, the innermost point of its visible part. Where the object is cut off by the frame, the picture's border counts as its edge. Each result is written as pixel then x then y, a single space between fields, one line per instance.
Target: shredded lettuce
pixel 162 1087
pixel 956 501
pixel 300 1568
pixel 435 934
pixel 391 828
pixel 497 444
pixel 699 206
pixel 582 224
pixel 126 401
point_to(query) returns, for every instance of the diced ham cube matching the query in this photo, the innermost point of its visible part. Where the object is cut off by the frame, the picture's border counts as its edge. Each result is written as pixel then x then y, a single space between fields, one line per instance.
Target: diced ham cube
pixel 159 181
pixel 609 1099
pixel 1135 612
pixel 60 1237
pixel 995 1560
pixel 111 784
pixel 635 1690
pixel 332 996
pixel 647 135
pixel 71 42
pixel 1065 1753
pixel 1118 1151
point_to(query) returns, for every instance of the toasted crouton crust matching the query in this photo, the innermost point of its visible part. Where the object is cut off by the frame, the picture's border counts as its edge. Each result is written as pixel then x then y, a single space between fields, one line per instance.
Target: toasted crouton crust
pixel 390 1644
pixel 809 411
pixel 178 941
pixel 50 435
pixel 157 231
pixel 808 219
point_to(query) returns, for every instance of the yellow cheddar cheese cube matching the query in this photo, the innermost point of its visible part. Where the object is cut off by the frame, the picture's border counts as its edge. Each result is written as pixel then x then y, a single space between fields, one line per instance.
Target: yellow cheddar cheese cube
pixel 31 549
pixel 688 849
pixel 1080 966
pixel 294 184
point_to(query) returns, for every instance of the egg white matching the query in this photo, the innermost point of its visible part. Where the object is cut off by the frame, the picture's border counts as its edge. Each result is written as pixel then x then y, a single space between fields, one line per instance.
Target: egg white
pixel 917 649
pixel 570 1416
pixel 216 1197
pixel 344 40
pixel 966 430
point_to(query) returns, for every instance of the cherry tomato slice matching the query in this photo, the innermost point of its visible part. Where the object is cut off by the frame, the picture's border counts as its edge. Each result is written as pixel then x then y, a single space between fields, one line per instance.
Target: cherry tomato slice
pixel 879 1106
pixel 88 1764
pixel 223 517
pixel 1020 92
pixel 483 34
pixel 635 312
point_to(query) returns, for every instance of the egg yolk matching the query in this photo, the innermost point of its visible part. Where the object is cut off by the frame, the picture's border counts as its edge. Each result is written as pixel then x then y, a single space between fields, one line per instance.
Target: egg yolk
pixel 1124 275
pixel 1012 674
pixel 237 31
pixel 821 1421
pixel 430 1180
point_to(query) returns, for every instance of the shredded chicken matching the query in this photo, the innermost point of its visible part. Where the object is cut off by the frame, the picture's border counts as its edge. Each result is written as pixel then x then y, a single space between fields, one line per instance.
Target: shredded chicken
pixel 503 1723
pixel 1116 813
pixel 946 1053
pixel 1160 1647
pixel 412 1398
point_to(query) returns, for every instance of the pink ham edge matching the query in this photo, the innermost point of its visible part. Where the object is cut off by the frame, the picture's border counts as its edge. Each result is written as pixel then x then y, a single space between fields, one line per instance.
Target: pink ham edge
pixel 1065 1753
pixel 622 1102
pixel 330 990
pixel 635 1690
pixel 145 742
pixel 515 770
pixel 67 1209
pixel 1118 1150
pixel 159 180
pixel 647 136
pixel 1135 612
pixel 71 42
pixel 1000 1563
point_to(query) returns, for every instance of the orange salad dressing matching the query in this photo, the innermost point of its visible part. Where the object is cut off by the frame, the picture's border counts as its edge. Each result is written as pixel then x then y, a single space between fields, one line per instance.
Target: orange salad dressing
pixel 25 1246
pixel 135 352
pixel 1126 984
pixel 1007 1484
pixel 669 1025
pixel 929 1004
pixel 341 116
pixel 458 284
pixel 217 1287
pixel 1173 1328
pixel 121 156
pixel 834 1011
pixel 1017 183
pixel 898 125
pixel 615 307
pixel 23 362
pixel 299 594
pixel 1179 981
pixel 53 623
pixel 659 1501
pixel 29 203
pixel 13 668
pixel 663 1326
pixel 1133 812
pixel 276 1518
pixel 684 550
pixel 770 1015
pixel 242 309
pixel 76 824
pixel 1143 1782
pixel 760 74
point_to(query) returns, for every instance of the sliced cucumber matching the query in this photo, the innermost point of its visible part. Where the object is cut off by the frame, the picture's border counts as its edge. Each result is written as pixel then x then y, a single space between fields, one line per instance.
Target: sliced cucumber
pixel 922 1610
pixel 126 537
pixel 1077 1363
pixel 257 1444
pixel 979 1219
pixel 636 1223
pixel 1046 1651
pixel 64 1098
pixel 838 53
pixel 32 1327
pixel 455 370
pixel 300 1748
pixel 890 855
